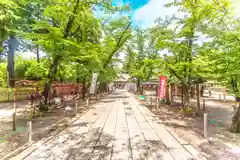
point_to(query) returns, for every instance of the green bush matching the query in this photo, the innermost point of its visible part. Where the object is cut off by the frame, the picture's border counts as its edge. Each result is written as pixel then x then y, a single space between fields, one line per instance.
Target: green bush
pixel 3 74
pixel 187 111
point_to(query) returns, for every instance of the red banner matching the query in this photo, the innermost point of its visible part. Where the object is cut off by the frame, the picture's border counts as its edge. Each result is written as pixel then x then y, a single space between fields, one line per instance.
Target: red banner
pixel 162 87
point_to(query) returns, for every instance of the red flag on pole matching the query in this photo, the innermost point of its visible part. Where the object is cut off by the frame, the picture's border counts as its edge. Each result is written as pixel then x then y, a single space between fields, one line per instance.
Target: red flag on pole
pixel 162 87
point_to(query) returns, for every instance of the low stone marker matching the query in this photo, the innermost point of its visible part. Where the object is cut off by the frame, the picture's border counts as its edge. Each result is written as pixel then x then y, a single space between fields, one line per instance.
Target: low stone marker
pixel 68 111
pixel 57 101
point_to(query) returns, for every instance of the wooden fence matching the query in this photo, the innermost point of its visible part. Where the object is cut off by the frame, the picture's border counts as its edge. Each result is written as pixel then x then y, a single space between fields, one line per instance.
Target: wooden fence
pixel 30 89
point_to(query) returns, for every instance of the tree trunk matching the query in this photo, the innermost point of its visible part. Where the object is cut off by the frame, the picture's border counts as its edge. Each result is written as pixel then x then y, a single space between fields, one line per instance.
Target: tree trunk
pixel 176 90
pixel 192 90
pixel 235 126
pixel 198 99
pixel 103 87
pixel 138 86
pixel 51 74
pixel 84 88
pixel 78 80
pixel 167 95
pixel 182 96
pixel 61 77
pixel 100 87
pixel 185 96
pixel 202 90
pixel 10 66
pixel 171 92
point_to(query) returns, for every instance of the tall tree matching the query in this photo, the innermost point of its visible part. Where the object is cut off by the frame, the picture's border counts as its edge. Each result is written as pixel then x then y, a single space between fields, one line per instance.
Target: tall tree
pixel 182 43
pixel 7 27
pixel 142 57
pixel 222 55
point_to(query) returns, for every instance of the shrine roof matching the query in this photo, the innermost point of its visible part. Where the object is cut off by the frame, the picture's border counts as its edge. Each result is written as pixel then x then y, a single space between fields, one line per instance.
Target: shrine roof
pixel 123 77
pixel 149 83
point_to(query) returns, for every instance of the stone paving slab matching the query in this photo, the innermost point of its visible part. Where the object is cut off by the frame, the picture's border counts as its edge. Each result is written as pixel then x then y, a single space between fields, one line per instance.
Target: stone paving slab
pixel 121 144
pixel 119 128
pixel 156 147
pixel 107 136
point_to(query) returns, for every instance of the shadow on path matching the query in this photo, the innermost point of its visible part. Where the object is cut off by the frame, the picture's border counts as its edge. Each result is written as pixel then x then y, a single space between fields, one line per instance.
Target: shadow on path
pixel 88 147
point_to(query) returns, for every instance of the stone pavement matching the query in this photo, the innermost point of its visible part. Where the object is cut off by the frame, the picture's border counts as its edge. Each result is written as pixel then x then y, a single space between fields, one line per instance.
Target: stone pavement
pixel 117 128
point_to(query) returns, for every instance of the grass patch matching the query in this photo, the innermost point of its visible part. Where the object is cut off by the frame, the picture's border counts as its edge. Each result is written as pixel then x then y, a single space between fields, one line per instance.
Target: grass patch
pixel 188 111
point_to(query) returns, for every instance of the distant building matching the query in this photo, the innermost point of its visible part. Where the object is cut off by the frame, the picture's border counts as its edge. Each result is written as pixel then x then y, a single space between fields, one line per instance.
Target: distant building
pixel 124 82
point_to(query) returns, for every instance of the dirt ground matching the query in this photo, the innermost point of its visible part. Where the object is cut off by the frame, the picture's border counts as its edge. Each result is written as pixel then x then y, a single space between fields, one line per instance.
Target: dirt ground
pixel 43 126
pixel 220 145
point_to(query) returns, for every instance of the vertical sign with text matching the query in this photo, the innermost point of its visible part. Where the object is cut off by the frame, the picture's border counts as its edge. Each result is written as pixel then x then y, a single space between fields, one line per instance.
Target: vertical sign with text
pixel 94 83
pixel 162 87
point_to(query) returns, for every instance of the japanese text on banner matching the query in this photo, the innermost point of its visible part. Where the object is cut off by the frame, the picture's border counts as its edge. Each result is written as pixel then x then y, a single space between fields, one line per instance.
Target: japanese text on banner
pixel 162 87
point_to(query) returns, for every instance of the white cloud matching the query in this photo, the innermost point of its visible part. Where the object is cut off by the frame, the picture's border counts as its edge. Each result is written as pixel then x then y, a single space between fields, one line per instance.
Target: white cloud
pixel 99 12
pixel 146 15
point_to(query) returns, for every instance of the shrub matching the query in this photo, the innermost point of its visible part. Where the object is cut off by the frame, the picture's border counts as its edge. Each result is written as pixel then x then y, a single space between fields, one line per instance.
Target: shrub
pixel 187 111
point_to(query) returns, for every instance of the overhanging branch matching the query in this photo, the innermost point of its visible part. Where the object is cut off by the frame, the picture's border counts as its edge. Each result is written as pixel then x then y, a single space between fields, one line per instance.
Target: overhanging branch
pixel 119 44
pixel 70 20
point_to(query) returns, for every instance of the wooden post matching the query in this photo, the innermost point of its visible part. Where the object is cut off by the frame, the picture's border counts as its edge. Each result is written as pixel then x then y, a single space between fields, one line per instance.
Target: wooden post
pixel 14 108
pixel 204 105
pixel 157 97
pixel 76 104
pixel 29 131
pixel 87 101
pixel 224 96
pixel 34 106
pixel 219 96
pixel 198 98
pixel 182 96
pixel 31 104
pixel 167 100
pixel 151 101
pixel 170 93
pixel 79 100
pixel 205 125
pixel 176 90
pixel 158 103
pixel 31 107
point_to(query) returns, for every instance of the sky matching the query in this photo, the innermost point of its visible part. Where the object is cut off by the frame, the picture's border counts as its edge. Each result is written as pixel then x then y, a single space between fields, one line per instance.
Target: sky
pixel 145 12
